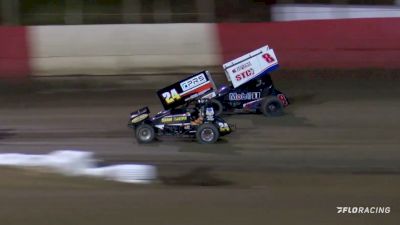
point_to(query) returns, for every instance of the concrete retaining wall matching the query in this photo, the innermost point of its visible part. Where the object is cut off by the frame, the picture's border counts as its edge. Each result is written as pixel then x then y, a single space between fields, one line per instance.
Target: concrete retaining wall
pixel 155 48
pixel 121 49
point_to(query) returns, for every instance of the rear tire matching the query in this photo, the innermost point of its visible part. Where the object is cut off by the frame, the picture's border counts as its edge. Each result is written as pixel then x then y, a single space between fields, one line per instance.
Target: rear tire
pixel 217 106
pixel 145 133
pixel 271 107
pixel 207 134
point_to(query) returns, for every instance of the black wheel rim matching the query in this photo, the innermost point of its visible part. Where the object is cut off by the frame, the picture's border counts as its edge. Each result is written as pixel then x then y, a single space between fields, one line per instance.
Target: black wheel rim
pixel 273 107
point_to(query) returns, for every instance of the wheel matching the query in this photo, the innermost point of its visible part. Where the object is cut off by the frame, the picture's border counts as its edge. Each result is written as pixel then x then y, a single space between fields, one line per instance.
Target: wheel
pixel 271 106
pixel 217 106
pixel 145 133
pixel 207 133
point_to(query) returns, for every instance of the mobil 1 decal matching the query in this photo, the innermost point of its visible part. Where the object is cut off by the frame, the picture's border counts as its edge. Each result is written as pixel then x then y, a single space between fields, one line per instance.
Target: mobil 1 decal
pixel 244 96
pixel 185 90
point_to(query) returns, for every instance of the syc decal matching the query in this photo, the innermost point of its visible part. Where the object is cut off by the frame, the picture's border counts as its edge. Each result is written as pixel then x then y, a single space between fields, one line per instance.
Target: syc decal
pixel 244 75
pixel 244 96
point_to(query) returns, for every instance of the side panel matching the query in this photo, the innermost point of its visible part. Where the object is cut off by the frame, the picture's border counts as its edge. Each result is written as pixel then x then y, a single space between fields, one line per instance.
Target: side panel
pixel 14 57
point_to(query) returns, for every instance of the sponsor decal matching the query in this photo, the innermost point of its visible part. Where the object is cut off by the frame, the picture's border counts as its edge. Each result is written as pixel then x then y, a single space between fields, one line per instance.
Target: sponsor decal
pixel 210 95
pixel 173 119
pixel 244 96
pixel 210 113
pixel 199 90
pixel 139 118
pixel 244 75
pixel 362 210
pixel 241 67
pixel 193 82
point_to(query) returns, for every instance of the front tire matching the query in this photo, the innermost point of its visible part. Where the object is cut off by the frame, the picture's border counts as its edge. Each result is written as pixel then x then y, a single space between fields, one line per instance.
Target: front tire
pixel 145 133
pixel 271 107
pixel 207 134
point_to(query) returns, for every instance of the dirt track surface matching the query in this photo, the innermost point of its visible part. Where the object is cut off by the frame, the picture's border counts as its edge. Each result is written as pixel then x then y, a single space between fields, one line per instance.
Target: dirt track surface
pixel 337 145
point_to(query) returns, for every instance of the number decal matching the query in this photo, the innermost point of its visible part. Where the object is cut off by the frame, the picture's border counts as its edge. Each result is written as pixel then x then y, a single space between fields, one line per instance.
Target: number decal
pixel 268 58
pixel 283 99
pixel 171 97
pixel 167 97
pixel 175 95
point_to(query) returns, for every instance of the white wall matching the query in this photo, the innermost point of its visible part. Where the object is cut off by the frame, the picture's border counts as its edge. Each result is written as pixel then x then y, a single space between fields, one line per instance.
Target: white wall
pixel 122 49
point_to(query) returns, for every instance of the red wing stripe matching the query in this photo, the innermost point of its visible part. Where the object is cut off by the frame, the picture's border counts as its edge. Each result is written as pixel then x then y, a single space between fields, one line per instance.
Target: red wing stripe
pixel 199 89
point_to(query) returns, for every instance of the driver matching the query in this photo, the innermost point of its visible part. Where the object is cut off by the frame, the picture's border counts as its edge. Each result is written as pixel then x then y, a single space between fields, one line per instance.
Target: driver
pixel 195 116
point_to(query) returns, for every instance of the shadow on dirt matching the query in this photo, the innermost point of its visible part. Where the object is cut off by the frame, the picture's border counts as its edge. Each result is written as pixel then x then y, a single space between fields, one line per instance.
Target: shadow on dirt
pixel 301 100
pixel 251 121
pixel 6 133
pixel 189 145
pixel 201 176
pixel 221 147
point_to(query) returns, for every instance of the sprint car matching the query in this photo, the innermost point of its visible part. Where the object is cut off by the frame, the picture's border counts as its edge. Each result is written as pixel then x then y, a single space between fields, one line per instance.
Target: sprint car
pixel 258 95
pixel 251 88
pixel 180 117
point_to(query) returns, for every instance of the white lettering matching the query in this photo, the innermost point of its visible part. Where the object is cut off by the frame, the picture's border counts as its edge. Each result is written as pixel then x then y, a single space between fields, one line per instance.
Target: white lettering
pixel 244 96
pixel 363 210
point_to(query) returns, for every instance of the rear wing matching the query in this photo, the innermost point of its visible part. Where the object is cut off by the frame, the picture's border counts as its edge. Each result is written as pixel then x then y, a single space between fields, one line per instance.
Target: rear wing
pixel 186 90
pixel 251 65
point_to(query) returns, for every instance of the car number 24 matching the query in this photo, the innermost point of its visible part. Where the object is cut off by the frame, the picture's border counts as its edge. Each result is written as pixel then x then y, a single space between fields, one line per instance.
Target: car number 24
pixel 171 96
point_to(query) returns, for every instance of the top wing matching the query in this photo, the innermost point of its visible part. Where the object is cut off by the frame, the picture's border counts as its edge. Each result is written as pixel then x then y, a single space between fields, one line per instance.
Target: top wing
pixel 188 89
pixel 251 65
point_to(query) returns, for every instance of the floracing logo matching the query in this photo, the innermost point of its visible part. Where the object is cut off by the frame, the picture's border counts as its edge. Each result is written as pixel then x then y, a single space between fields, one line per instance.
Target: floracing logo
pixel 362 210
